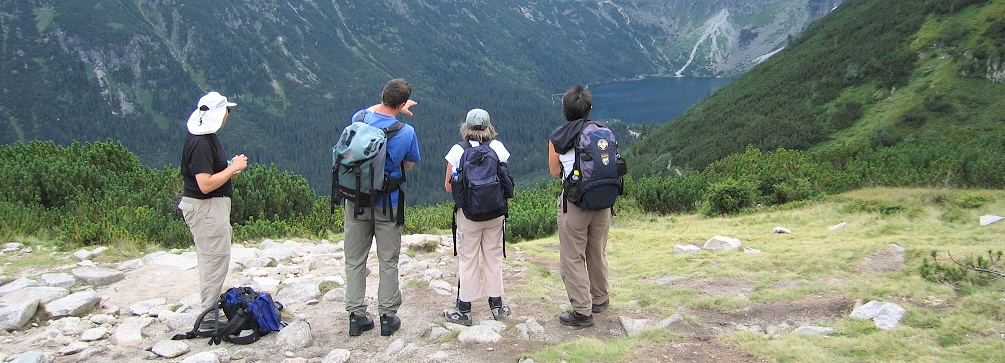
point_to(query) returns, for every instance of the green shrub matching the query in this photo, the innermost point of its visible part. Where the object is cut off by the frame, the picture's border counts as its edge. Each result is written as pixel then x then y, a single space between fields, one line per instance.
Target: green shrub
pixel 533 213
pixel 267 193
pixel 970 201
pixel 730 196
pixel 672 194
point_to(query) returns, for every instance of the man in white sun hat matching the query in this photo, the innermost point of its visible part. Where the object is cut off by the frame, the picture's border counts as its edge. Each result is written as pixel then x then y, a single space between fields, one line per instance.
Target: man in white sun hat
pixel 206 171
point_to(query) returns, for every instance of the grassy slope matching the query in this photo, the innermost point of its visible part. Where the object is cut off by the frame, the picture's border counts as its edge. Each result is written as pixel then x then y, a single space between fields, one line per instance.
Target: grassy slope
pixel 889 58
pixel 941 324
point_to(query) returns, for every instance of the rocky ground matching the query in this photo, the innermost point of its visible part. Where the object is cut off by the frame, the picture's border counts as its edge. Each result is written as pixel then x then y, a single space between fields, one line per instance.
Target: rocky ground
pixel 128 311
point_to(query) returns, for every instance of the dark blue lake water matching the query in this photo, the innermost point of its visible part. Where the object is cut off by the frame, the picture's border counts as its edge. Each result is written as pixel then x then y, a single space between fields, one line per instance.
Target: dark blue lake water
pixel 650 100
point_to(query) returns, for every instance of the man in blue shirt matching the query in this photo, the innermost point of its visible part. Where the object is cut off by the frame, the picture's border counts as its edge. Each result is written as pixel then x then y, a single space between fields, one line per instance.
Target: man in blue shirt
pixel 361 231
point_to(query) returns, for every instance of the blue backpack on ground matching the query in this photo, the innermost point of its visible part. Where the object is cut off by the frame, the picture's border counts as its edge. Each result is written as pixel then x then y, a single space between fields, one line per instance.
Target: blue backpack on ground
pixel 481 187
pixel 595 181
pixel 358 160
pixel 245 309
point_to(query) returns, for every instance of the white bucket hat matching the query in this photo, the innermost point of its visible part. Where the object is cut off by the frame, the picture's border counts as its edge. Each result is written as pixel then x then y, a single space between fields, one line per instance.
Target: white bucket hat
pixel 208 115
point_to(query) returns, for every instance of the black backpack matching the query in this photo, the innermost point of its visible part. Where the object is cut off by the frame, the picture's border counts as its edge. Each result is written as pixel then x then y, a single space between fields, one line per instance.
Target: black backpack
pixel 358 160
pixel 595 181
pixel 481 187
pixel 245 309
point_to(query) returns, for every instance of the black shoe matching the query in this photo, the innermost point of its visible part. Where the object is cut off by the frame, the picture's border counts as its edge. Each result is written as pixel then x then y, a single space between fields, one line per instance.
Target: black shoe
pixel 499 310
pixel 458 317
pixel 574 318
pixel 389 325
pixel 359 324
pixel 600 308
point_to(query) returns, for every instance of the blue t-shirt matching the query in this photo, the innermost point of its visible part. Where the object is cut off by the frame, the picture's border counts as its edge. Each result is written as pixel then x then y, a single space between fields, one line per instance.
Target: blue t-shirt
pixel 404 145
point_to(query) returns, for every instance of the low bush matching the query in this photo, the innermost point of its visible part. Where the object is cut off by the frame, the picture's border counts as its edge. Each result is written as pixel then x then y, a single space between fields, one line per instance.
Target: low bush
pixel 671 194
pixel 730 196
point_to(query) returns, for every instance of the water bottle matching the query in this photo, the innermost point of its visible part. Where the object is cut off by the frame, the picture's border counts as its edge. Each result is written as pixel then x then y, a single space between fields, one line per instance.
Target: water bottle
pixel 575 176
pixel 454 178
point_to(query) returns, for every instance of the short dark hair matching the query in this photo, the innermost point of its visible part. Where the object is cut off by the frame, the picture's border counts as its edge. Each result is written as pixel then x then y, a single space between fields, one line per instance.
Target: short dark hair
pixel 576 103
pixel 396 92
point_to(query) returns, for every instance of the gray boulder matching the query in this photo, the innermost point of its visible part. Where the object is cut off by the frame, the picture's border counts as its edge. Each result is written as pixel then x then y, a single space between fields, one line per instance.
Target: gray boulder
pixel 13 317
pixel 98 276
pixel 75 304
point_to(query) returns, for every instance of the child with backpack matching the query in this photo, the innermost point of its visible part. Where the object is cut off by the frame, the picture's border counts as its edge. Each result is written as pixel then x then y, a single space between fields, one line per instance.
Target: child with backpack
pixel 585 154
pixel 480 182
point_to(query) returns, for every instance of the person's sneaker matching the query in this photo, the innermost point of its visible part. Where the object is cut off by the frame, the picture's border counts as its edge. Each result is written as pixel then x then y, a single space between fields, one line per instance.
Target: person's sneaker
pixel 600 308
pixel 499 312
pixel 389 325
pixel 359 324
pixel 457 317
pixel 574 318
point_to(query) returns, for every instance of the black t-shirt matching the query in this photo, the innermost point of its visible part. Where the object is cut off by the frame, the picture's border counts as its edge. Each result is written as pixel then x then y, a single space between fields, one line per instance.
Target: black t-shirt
pixel 203 154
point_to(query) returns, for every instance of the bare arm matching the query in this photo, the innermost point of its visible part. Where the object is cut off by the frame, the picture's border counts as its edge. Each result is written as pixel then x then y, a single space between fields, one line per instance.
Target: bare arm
pixel 446 180
pixel 210 182
pixel 554 164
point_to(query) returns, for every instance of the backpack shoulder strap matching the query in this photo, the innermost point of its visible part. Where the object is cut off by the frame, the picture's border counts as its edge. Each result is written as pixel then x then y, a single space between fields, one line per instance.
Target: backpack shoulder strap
pixel 393 129
pixel 195 333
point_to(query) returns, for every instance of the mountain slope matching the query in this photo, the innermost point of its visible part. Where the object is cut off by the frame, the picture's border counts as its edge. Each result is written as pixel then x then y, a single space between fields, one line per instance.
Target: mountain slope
pixel 132 70
pixel 872 72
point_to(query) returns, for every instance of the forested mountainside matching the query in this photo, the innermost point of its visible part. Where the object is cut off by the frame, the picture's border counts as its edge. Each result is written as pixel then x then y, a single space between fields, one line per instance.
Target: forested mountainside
pixel 132 70
pixel 923 75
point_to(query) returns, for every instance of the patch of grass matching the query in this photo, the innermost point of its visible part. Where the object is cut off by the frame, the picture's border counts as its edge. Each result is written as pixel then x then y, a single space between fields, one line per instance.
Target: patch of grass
pixel 821 260
pixel 327 286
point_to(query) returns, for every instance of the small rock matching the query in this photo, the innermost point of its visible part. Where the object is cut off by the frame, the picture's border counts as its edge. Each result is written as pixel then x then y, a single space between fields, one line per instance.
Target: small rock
pixel 813 330
pixel 686 249
pixel 838 226
pixel 987 220
pixel 722 243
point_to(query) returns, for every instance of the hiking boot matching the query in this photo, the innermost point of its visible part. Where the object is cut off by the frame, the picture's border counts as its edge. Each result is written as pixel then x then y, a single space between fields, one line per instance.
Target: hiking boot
pixel 359 324
pixel 600 308
pixel 389 325
pixel 499 310
pixel 458 317
pixel 574 318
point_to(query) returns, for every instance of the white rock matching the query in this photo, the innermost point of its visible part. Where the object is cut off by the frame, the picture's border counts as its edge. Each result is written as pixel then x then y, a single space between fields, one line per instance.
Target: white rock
pixel 58 279
pixel 479 334
pixel 82 255
pixel 73 348
pixel 722 243
pixel 337 356
pixel 170 348
pixel 885 315
pixel 633 326
pixel 781 229
pixel 15 316
pixel 838 226
pixel 686 249
pixel 130 332
pixel 987 220
pixel 93 334
pixel 75 304
pixel 143 307
pixel 813 330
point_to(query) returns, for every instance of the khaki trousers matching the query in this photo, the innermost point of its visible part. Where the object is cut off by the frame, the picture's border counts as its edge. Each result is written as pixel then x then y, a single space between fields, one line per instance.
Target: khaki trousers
pixel 209 222
pixel 360 234
pixel 582 237
pixel 486 238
